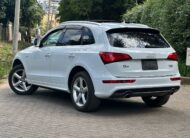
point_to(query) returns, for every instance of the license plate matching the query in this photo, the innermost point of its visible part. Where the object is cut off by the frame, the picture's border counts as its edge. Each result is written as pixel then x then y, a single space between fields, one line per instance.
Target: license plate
pixel 149 65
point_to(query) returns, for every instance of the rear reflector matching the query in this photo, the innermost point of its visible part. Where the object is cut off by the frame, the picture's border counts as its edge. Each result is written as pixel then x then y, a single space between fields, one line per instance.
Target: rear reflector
pixel 109 57
pixel 173 56
pixel 175 79
pixel 118 81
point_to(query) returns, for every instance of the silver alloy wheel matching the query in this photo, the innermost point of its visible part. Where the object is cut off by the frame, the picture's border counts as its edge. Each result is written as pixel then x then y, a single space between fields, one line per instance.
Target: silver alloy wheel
pixel 19 81
pixel 80 91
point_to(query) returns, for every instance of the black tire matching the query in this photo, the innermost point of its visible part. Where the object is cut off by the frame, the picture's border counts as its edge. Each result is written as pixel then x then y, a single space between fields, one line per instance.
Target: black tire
pixel 156 101
pixel 30 91
pixel 92 102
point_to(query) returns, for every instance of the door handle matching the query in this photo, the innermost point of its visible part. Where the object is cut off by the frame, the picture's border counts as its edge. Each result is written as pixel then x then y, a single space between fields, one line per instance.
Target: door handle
pixel 71 56
pixel 48 55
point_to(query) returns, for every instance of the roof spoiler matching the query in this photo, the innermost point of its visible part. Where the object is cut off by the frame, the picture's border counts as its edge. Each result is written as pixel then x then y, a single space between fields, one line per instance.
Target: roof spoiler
pixel 149 30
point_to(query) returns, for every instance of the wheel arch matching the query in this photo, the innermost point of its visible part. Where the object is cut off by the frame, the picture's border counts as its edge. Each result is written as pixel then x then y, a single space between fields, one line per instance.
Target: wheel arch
pixel 75 70
pixel 17 62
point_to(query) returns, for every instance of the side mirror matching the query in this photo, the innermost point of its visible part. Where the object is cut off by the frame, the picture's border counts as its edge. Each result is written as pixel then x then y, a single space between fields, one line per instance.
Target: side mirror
pixel 35 42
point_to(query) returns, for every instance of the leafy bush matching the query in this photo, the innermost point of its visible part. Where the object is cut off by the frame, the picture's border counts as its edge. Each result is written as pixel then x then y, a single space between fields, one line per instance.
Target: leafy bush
pixel 172 18
pixel 5 58
pixel 134 15
pixel 184 70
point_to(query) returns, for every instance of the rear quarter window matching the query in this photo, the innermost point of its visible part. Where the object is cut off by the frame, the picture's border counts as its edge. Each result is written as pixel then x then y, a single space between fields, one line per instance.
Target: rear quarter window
pixel 136 38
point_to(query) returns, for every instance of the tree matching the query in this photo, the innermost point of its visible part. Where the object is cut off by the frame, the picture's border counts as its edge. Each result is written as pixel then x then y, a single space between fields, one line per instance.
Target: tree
pixel 74 9
pixel 7 12
pixel 113 9
pixel 2 9
pixel 31 15
pixel 94 9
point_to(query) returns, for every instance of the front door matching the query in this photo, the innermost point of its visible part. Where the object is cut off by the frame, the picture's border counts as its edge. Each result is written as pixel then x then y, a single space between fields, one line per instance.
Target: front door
pixel 39 71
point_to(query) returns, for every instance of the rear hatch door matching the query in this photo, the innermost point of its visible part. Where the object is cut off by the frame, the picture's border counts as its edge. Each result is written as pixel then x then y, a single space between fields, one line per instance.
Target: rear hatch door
pixel 151 55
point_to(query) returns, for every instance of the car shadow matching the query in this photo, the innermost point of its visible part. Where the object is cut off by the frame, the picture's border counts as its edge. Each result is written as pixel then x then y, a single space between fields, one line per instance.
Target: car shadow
pixel 109 108
pixel 117 107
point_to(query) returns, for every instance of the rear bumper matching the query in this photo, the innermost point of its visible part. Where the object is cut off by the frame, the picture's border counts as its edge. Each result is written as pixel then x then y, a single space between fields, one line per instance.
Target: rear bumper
pixel 141 87
pixel 160 91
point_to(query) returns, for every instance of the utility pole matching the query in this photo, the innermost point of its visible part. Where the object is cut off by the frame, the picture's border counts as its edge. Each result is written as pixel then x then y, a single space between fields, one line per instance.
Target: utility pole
pixel 52 13
pixel 136 2
pixel 49 10
pixel 16 26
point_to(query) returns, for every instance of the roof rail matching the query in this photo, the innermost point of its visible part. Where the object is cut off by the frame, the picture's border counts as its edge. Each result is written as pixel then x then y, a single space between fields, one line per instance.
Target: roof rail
pixel 143 25
pixel 105 21
pixel 85 22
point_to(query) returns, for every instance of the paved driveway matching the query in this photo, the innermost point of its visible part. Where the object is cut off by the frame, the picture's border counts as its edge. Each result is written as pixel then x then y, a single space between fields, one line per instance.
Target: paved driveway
pixel 50 114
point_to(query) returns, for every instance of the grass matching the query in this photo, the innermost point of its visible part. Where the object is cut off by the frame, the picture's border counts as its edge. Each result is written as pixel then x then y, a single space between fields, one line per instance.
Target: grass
pixel 5 58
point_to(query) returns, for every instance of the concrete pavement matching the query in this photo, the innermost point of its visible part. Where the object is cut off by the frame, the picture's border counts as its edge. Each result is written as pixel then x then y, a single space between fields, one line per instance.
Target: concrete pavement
pixel 50 114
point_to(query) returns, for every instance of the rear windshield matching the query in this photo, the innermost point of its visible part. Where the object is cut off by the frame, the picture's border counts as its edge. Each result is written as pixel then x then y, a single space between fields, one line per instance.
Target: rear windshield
pixel 136 38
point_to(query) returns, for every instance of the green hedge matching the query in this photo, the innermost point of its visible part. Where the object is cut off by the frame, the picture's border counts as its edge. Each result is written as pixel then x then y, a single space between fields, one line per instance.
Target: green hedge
pixel 184 70
pixel 5 58
pixel 171 17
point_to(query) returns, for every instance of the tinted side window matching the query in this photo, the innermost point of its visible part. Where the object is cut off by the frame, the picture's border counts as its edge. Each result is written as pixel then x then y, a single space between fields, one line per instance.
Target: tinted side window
pixel 52 38
pixel 71 37
pixel 88 37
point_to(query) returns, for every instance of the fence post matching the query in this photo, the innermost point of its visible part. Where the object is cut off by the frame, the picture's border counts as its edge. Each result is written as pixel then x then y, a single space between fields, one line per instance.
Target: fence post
pixel 10 35
pixel 1 29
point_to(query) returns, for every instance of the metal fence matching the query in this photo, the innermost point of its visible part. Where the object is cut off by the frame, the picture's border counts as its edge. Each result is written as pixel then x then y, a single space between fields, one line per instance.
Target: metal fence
pixel 6 32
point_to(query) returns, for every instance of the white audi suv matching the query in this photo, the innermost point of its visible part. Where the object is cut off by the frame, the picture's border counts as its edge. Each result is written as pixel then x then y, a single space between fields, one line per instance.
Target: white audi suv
pixel 94 61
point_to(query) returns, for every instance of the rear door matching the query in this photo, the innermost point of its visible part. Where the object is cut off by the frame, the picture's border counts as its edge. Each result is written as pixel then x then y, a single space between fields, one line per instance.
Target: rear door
pixel 73 44
pixel 64 54
pixel 150 54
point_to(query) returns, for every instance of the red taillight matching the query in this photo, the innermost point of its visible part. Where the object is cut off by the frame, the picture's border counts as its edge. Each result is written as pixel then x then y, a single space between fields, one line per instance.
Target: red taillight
pixel 118 81
pixel 109 57
pixel 175 79
pixel 173 56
